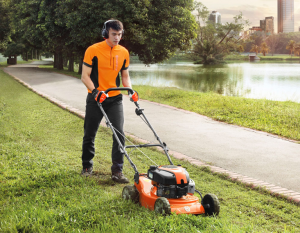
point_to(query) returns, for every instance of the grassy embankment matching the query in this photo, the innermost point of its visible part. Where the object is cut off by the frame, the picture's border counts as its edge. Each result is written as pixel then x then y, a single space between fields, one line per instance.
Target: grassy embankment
pixel 268 57
pixel 41 189
pixel 276 117
pixel 4 64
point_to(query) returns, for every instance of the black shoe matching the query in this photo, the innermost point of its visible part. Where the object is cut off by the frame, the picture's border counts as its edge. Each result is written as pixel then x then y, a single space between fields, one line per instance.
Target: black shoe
pixel 119 177
pixel 87 171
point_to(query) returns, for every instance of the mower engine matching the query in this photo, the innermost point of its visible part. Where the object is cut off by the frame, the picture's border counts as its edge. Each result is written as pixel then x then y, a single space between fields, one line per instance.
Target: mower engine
pixel 171 181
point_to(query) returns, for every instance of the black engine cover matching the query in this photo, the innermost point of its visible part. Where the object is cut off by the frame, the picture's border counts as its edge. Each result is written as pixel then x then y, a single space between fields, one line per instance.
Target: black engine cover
pixel 166 182
pixel 161 176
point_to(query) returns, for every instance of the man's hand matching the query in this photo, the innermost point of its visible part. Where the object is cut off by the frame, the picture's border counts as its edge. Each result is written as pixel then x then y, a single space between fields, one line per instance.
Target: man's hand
pixel 96 94
pixel 134 97
pixel 99 96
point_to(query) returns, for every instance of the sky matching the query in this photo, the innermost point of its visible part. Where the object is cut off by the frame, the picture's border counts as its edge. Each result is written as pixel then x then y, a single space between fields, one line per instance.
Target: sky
pixel 254 10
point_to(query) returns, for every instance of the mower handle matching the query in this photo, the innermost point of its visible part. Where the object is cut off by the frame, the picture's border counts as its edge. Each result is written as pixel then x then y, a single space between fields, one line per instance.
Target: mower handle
pixel 120 89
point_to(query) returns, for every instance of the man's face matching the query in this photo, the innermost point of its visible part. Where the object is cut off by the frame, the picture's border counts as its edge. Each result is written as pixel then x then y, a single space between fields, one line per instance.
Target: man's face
pixel 114 37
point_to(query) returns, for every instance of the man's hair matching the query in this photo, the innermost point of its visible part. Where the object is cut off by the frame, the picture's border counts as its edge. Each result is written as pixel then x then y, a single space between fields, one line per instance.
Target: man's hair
pixel 114 24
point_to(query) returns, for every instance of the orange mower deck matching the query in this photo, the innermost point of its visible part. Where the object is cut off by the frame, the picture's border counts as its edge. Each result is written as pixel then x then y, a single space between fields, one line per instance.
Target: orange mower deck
pixel 188 204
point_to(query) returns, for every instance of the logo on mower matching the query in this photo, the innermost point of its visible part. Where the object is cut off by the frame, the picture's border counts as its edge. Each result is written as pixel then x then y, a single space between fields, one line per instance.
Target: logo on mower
pixel 187 209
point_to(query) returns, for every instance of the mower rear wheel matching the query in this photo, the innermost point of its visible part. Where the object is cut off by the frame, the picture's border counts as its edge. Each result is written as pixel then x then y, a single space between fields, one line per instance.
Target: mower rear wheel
pixel 211 204
pixel 130 193
pixel 162 206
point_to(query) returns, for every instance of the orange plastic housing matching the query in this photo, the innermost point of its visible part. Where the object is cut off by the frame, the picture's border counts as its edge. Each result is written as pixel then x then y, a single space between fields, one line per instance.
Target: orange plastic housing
pixel 103 97
pixel 188 204
pixel 179 173
pixel 135 97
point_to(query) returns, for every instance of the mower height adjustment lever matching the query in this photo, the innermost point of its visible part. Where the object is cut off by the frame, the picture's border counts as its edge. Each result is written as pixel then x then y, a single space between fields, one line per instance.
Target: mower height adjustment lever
pixel 139 111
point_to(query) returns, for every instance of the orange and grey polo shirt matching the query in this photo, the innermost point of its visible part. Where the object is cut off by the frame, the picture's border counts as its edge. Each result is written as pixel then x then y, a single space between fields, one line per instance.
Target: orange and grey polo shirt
pixel 106 63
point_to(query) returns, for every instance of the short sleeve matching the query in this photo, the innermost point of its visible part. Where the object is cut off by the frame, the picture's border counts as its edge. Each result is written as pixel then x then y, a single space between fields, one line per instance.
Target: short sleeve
pixel 88 57
pixel 126 61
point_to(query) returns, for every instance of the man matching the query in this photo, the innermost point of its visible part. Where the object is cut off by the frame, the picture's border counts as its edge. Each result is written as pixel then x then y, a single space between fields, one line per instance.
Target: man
pixel 100 70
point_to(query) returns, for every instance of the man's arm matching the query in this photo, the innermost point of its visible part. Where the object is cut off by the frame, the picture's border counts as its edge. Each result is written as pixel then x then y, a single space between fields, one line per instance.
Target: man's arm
pixel 85 77
pixel 125 78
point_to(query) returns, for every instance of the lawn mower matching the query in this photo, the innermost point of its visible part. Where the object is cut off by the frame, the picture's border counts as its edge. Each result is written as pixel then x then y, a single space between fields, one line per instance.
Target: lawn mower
pixel 166 188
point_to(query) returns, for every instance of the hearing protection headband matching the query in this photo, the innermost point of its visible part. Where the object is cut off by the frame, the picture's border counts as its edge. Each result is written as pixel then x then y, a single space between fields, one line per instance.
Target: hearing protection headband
pixel 105 32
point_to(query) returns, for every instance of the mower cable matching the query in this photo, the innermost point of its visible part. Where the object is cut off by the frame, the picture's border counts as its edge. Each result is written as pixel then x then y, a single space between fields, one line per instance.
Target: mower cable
pixel 135 146
pixel 145 121
pixel 199 193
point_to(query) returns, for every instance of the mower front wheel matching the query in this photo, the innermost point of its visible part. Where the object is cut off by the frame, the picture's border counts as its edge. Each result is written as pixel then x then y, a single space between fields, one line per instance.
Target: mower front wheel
pixel 211 204
pixel 162 206
pixel 130 193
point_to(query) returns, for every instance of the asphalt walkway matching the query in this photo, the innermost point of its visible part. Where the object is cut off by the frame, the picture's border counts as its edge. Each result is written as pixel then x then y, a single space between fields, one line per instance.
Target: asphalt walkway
pixel 254 155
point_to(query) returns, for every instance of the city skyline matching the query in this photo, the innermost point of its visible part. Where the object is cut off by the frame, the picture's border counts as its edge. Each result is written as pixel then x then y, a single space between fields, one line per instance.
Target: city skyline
pixel 285 20
pixel 254 12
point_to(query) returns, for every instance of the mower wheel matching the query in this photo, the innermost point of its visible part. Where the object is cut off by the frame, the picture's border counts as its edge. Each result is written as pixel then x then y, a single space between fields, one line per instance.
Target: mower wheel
pixel 130 193
pixel 211 204
pixel 162 206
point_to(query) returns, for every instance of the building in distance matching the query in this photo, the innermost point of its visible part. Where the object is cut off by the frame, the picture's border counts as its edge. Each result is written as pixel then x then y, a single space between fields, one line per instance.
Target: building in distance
pixel 262 24
pixel 285 13
pixel 269 25
pixel 215 17
pixel 255 29
pixel 266 26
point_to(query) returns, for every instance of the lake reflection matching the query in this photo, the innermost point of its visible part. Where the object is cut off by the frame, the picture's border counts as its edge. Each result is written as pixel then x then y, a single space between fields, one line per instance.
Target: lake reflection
pixel 275 81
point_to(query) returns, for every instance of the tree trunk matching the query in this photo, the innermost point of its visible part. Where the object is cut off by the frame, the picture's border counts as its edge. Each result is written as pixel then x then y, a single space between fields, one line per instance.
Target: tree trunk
pixel 60 63
pixel 65 62
pixel 80 66
pixel 71 63
pixel 55 60
pixel 32 54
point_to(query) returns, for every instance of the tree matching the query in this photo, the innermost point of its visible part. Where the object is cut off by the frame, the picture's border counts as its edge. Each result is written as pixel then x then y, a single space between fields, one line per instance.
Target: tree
pixel 254 48
pixel 241 48
pixel 272 41
pixel 284 39
pixel 215 41
pixel 24 22
pixel 256 38
pixel 14 49
pixel 297 49
pixel 154 29
pixel 4 24
pixel 264 48
pixel 291 46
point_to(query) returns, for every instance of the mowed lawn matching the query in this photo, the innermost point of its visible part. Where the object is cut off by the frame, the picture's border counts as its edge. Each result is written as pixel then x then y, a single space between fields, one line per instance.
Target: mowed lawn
pixel 41 189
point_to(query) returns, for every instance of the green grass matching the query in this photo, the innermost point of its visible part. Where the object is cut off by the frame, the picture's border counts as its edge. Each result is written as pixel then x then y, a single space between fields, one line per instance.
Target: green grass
pixel 235 57
pixel 268 57
pixel 278 57
pixel 276 117
pixel 42 191
pixel 4 64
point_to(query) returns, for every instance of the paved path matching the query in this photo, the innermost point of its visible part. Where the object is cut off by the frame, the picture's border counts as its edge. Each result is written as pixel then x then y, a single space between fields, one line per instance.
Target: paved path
pixel 251 153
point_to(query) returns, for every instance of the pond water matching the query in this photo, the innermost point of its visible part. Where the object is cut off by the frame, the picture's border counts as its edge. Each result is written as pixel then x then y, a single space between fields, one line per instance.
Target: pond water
pixel 259 80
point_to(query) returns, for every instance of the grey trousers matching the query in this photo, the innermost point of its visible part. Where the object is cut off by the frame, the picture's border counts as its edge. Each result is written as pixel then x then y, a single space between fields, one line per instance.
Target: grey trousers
pixel 113 108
